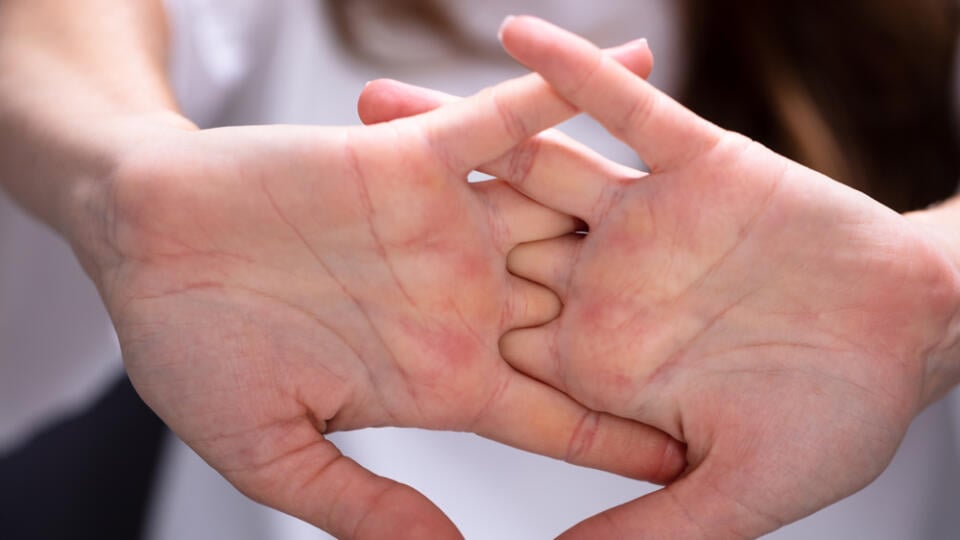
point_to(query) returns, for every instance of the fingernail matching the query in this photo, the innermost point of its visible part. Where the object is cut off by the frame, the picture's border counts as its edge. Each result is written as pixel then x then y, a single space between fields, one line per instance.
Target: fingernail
pixel 503 25
pixel 637 44
pixel 628 47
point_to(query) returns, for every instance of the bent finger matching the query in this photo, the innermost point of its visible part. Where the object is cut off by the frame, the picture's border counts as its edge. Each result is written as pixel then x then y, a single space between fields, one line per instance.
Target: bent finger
pixel 517 219
pixel 547 262
pixel 550 167
pixel 529 304
pixel 533 352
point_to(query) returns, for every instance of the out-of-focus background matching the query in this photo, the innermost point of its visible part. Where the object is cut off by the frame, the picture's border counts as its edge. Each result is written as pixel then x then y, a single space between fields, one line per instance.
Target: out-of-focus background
pixel 866 92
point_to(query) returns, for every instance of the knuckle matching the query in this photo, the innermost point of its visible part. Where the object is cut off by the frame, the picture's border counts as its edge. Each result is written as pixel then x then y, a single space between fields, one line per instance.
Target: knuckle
pixel 511 121
pixel 581 83
pixel 638 113
pixel 584 436
pixel 492 194
pixel 522 161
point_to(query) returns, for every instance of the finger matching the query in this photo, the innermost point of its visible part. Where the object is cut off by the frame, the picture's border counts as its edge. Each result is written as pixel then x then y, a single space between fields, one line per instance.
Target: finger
pixel 563 174
pixel 528 305
pixel 551 167
pixel 532 416
pixel 547 262
pixel 533 352
pixel 516 219
pixel 661 131
pixel 383 100
pixel 696 506
pixel 316 483
pixel 478 129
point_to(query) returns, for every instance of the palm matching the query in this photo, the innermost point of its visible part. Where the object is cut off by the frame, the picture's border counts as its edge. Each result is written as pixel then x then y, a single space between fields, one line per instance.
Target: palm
pixel 298 273
pixel 729 293
pixel 283 269
pixel 272 284
pixel 773 320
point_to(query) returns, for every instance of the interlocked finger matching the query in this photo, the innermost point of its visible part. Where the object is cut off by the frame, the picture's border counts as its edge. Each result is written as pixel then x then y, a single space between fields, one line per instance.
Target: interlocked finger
pixel 548 262
pixel 550 167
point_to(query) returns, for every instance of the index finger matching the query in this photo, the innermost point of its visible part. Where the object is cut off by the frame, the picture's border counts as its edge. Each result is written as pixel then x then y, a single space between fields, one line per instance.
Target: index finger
pixel 483 127
pixel 661 130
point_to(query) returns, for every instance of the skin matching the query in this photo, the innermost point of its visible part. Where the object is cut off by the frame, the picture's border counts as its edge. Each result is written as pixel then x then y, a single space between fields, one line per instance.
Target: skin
pixel 270 285
pixel 197 240
pixel 783 326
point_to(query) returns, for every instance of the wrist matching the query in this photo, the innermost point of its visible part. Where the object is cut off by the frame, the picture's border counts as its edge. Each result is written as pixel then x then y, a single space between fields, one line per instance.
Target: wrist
pixel 941 224
pixel 85 212
pixel 76 79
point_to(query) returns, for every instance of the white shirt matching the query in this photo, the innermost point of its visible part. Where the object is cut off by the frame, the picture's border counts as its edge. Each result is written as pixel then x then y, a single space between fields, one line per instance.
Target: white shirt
pixel 253 61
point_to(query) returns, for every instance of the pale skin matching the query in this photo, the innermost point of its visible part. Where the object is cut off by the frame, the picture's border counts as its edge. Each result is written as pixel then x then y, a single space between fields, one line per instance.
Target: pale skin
pixel 783 326
pixel 273 284
pixel 664 264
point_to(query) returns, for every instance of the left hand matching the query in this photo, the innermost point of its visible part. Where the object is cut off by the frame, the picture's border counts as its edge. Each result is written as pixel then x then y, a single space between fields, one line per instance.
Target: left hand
pixel 272 284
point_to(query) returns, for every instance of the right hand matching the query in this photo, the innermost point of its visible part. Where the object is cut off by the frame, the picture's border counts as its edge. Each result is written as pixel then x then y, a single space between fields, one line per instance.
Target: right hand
pixel 273 284
pixel 782 325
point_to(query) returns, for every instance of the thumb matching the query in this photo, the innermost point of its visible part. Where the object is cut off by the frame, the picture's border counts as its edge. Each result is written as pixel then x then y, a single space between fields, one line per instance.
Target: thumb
pixel 704 504
pixel 321 486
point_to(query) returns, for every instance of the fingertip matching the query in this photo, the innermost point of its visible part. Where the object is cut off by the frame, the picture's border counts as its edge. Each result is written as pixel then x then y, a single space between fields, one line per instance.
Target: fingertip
pixel 645 45
pixel 512 23
pixel 639 44
pixel 383 100
pixel 530 352
pixel 547 262
pixel 530 305
pixel 519 34
pixel 512 28
pixel 510 343
pixel 673 462
pixel 506 22
pixel 635 56
pixel 374 98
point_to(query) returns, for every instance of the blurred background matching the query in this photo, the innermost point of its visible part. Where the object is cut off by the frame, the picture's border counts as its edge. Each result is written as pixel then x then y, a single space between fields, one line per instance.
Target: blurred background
pixel 864 92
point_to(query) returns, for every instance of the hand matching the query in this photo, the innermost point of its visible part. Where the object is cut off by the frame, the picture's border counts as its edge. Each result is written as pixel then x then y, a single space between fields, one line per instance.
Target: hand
pixel 775 321
pixel 272 284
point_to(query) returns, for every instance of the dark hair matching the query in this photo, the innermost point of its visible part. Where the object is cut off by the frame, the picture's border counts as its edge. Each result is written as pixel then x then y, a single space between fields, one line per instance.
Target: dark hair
pixel 858 90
